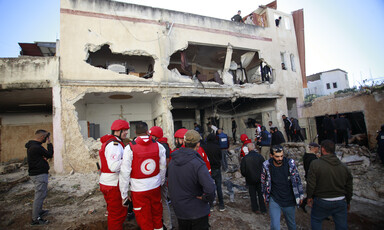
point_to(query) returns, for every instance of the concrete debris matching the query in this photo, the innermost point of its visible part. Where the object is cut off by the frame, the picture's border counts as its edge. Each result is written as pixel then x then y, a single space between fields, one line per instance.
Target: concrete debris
pixel 368 180
pixel 8 168
pixel 93 147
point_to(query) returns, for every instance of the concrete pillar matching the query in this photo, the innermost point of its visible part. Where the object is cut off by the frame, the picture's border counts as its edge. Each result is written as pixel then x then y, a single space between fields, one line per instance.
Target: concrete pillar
pixel 228 57
pixel 58 138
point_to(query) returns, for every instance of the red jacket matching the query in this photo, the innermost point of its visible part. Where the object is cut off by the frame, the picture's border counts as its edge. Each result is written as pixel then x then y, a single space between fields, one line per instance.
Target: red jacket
pixel 106 139
pixel 202 154
pixel 242 154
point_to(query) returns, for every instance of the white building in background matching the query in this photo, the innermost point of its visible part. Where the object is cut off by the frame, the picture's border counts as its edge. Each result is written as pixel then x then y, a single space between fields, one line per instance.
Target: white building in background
pixel 328 82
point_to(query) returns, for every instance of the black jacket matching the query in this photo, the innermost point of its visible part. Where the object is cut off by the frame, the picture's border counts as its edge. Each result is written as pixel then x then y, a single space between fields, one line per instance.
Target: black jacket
pixel 277 138
pixel 307 159
pixel 36 153
pixel 188 178
pixel 213 151
pixel 251 167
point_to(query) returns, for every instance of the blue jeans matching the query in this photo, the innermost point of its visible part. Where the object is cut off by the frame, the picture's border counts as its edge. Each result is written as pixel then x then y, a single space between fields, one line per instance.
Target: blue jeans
pixel 322 209
pixel 275 213
pixel 216 176
pixel 41 184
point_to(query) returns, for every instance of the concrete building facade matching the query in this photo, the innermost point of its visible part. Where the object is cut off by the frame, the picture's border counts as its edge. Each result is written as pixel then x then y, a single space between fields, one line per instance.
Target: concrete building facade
pixel 166 68
pixel 328 82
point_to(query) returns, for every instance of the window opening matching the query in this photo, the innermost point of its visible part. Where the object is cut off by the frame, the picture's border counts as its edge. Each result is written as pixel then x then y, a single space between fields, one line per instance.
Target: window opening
pixel 334 85
pixel 293 66
pixel 328 86
pixel 136 65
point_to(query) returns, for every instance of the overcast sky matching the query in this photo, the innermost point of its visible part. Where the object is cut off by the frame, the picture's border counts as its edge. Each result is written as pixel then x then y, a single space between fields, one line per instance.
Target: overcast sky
pixel 345 34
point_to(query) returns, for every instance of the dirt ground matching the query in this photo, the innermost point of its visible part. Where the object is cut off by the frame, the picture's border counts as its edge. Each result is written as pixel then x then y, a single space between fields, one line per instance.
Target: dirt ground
pixel 75 203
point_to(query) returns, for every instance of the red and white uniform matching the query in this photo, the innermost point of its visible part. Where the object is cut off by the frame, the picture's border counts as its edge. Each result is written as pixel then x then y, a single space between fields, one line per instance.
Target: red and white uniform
pixel 202 154
pixel 111 154
pixel 205 158
pixel 143 168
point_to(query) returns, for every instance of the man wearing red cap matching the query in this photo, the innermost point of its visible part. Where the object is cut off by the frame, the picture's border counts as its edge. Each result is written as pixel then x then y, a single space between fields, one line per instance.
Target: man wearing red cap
pixel 111 155
pixel 143 172
pixel 244 149
pixel 156 133
pixel 180 142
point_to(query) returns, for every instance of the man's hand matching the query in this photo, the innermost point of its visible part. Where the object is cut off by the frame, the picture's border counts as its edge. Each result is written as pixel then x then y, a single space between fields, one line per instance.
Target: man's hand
pixel 199 197
pixel 126 201
pixel 301 202
pixel 310 202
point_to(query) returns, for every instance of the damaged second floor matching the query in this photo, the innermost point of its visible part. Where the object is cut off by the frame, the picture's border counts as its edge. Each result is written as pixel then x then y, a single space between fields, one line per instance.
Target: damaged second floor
pixel 132 44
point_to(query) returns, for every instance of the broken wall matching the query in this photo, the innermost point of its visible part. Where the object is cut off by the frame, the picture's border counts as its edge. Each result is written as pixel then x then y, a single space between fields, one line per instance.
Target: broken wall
pixel 28 72
pixel 157 33
pixel 371 105
pixel 17 130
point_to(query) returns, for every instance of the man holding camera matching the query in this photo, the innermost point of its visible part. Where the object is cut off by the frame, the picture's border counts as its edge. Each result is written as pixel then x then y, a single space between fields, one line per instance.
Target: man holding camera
pixel 38 172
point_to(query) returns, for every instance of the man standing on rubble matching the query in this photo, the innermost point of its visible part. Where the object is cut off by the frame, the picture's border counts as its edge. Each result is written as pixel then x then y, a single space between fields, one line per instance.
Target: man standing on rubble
pixel 329 188
pixel 282 188
pixel 190 185
pixel 111 155
pixel 143 172
pixel 251 167
pixel 287 127
pixel 38 168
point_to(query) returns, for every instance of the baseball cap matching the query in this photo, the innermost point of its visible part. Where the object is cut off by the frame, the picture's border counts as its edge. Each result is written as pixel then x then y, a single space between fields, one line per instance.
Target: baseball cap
pixel 192 136
pixel 313 144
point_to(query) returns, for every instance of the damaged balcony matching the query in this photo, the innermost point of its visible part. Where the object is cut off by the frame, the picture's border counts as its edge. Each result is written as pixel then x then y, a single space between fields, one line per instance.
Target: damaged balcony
pixel 223 65
pixel 135 63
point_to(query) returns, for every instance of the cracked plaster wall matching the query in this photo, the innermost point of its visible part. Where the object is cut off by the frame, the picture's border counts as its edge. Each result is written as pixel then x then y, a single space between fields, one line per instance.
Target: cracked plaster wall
pixel 130 26
pixel 75 154
pixel 129 29
pixel 29 72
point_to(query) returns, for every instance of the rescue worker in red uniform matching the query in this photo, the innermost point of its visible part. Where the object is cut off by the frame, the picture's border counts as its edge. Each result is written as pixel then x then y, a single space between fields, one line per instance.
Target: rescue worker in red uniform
pixel 142 173
pixel 244 149
pixel 180 142
pixel 157 133
pixel 111 155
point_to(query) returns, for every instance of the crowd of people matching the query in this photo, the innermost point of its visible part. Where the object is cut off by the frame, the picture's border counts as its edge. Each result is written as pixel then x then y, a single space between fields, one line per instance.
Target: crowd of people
pixel 148 180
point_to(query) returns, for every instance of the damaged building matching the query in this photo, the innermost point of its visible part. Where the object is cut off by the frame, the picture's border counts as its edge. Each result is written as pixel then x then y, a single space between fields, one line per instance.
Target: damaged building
pixel 123 61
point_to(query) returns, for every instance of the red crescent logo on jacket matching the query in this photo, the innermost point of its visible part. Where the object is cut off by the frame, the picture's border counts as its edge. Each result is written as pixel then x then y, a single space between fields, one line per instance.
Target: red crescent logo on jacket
pixel 148 166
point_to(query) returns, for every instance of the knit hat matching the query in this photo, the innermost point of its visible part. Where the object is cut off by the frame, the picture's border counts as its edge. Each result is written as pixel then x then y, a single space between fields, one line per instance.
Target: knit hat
pixel 192 136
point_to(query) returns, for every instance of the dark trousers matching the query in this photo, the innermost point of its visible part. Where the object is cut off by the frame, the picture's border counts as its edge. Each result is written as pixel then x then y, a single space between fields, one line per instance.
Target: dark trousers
pixel 196 224
pixel 330 135
pixel 321 209
pixel 289 135
pixel 297 136
pixel 342 134
pixel 234 135
pixel 255 190
pixel 216 176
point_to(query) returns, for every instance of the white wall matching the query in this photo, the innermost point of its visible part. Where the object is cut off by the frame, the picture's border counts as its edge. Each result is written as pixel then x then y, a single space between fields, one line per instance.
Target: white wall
pixel 319 87
pixel 105 114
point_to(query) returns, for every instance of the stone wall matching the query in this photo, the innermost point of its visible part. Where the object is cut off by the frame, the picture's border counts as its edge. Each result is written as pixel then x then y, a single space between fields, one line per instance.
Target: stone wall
pixel 370 104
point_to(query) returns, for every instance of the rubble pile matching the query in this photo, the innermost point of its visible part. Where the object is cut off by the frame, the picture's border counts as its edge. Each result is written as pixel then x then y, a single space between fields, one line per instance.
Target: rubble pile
pixel 367 171
pixel 93 147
